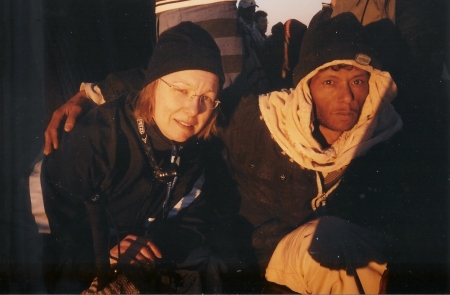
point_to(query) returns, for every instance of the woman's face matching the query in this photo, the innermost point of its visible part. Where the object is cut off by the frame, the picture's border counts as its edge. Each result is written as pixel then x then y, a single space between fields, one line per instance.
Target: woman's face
pixel 180 111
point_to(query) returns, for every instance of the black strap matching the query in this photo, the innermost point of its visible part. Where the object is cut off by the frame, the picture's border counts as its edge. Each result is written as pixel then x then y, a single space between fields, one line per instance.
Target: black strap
pixel 96 209
pixel 168 175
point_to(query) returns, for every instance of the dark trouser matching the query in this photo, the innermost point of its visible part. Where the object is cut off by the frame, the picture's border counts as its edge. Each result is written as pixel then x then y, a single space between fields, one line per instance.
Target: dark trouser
pixel 201 272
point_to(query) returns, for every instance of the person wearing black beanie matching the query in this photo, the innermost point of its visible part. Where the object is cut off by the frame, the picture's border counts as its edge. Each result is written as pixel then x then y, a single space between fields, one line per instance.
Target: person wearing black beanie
pixel 123 192
pixel 184 47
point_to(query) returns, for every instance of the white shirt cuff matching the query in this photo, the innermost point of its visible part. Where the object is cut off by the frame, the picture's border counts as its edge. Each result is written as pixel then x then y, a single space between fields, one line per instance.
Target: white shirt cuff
pixel 93 92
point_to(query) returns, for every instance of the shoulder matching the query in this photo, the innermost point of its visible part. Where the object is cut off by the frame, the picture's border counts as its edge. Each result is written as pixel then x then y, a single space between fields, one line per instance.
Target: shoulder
pixel 247 110
pixel 107 112
pixel 119 84
pixel 99 127
pixel 246 126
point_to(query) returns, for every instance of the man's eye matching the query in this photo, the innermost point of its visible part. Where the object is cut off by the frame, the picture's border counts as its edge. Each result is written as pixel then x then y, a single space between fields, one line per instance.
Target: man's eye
pixel 328 82
pixel 359 82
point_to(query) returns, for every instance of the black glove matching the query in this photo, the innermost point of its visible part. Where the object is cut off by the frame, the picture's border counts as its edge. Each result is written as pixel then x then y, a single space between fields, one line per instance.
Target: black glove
pixel 339 244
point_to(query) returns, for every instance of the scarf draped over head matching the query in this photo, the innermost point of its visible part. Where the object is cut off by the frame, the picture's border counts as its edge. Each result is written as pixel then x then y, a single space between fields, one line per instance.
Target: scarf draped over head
pixel 289 117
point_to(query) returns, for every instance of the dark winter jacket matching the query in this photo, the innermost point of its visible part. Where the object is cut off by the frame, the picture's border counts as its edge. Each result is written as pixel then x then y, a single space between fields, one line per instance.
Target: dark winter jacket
pixel 104 156
pixel 276 192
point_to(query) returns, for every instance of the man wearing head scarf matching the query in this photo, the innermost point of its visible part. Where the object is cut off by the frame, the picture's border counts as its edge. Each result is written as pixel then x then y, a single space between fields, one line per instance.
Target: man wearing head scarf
pixel 294 158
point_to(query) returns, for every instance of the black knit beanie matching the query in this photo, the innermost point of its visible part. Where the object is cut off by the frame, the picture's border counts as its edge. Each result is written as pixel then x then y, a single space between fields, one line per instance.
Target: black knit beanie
pixel 339 38
pixel 185 46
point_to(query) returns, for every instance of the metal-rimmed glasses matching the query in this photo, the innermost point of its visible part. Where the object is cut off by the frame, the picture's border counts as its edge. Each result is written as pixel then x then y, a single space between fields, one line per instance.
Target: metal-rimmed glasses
pixel 183 94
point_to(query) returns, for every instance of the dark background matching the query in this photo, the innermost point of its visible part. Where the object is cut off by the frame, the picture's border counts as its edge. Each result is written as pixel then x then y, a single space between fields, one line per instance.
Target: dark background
pixel 48 47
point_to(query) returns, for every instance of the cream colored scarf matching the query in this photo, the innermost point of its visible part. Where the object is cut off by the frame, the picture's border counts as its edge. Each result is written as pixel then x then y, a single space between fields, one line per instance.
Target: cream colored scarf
pixel 289 117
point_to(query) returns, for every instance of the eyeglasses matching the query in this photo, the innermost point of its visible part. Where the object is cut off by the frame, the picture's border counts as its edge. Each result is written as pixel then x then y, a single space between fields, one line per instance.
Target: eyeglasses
pixel 183 94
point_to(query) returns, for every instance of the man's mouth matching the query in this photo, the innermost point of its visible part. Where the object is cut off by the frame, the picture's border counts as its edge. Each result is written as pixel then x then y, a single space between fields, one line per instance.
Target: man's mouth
pixel 345 113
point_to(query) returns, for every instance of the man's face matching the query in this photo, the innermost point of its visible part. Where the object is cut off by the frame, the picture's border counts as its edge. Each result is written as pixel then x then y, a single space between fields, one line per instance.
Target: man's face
pixel 338 95
pixel 261 25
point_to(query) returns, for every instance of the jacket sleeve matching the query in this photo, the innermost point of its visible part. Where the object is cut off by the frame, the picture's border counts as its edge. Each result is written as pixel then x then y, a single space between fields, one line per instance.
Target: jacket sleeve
pixel 71 174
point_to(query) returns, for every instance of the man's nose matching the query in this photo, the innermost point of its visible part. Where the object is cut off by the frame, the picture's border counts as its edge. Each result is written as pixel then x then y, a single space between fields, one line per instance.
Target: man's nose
pixel 346 94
